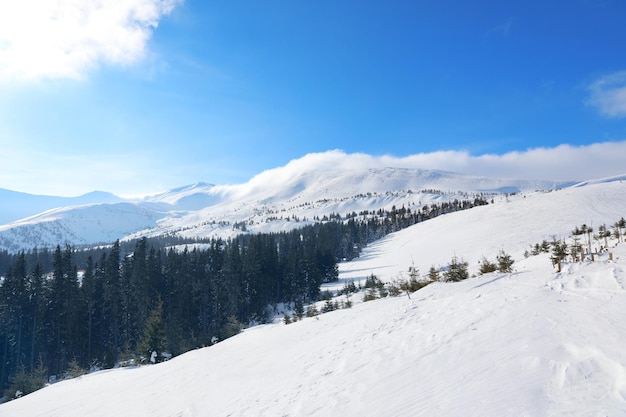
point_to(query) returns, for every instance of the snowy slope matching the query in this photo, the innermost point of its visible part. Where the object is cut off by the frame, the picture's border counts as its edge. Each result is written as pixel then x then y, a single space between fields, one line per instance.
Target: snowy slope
pixel 15 205
pixel 77 225
pixel 529 343
pixel 512 224
pixel 190 197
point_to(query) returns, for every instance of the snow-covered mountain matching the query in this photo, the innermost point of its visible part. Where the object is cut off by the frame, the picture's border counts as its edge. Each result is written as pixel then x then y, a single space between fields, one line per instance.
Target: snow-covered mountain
pixel 533 342
pixel 16 205
pixel 278 199
pixel 79 225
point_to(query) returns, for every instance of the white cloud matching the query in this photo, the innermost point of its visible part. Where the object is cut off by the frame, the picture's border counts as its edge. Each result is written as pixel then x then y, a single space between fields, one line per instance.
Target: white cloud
pixel 130 173
pixel 64 38
pixel 561 163
pixel 608 94
pixel 564 162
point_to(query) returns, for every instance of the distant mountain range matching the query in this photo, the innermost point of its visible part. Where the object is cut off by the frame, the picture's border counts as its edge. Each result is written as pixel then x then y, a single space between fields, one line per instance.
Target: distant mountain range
pixel 298 193
pixel 17 205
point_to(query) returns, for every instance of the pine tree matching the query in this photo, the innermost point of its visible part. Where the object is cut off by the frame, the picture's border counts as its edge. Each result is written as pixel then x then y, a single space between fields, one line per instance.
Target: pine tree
pixel 311 311
pixel 604 233
pixel 24 383
pixel 559 251
pixel 137 300
pixel 63 311
pixel 40 373
pixel 457 270
pixel 619 225
pixel 74 370
pixel 88 289
pixel 37 303
pixel 433 274
pixel 153 338
pixel 576 250
pixel 112 306
pixel 14 322
pixel 486 266
pixel 21 384
pixel 298 310
pixel 505 262
pixel 233 327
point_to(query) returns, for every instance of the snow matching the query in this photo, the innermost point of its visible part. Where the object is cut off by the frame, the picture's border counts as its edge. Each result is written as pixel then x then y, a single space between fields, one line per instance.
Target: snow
pixel 530 343
pixel 314 185
pixel 78 225
pixel 512 224
pixel 16 205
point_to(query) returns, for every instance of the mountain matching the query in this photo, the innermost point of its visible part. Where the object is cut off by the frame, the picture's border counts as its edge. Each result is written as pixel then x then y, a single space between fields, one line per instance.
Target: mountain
pixel 534 342
pixel 283 198
pixel 17 205
pixel 78 225
pixel 188 198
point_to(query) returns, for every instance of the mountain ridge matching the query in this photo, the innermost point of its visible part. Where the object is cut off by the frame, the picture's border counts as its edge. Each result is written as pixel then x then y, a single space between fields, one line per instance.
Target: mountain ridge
pixel 18 205
pixel 313 186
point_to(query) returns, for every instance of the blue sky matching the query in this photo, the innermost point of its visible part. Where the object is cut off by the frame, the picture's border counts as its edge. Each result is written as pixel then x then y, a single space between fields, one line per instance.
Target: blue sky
pixel 138 96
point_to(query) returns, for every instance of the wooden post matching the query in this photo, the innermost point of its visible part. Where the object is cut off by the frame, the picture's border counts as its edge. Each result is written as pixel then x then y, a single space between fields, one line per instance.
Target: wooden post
pixel 610 256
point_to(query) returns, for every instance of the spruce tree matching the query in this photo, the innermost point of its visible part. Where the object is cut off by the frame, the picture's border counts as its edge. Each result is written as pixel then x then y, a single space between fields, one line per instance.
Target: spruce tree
pixel 153 338
pixel 298 310
pixel 232 328
pixel 112 306
pixel 433 274
pixel 457 270
pixel 74 370
pixel 505 262
pixel 487 266
pixel 559 251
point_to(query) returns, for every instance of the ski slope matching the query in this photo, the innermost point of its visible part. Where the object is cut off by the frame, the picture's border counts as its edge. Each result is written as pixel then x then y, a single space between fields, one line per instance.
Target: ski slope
pixel 530 343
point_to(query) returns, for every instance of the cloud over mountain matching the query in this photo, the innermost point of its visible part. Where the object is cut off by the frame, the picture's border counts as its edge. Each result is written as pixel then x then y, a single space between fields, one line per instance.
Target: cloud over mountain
pixel 562 163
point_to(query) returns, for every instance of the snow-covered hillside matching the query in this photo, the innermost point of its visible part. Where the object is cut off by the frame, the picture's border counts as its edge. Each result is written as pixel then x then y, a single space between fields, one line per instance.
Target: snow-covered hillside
pixel 512 223
pixel 16 205
pixel 78 225
pixel 279 199
pixel 530 343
